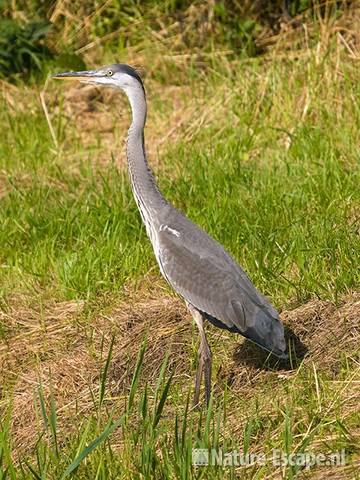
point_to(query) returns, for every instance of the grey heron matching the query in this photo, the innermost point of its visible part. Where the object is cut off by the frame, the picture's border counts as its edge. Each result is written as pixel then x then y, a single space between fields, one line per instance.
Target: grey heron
pixel 213 285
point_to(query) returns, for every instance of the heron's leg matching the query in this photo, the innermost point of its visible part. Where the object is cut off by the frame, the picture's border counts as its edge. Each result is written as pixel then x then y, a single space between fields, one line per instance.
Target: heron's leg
pixel 199 373
pixel 204 358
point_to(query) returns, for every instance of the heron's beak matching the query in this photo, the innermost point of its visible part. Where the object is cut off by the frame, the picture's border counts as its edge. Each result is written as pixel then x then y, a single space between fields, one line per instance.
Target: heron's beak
pixel 86 75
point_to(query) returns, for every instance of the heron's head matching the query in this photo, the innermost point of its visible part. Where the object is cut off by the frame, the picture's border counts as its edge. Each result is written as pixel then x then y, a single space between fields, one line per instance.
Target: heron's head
pixel 118 75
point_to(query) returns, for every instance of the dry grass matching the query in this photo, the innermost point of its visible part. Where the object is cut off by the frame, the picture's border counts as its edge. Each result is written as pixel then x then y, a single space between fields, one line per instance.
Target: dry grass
pixel 57 348
pixel 99 118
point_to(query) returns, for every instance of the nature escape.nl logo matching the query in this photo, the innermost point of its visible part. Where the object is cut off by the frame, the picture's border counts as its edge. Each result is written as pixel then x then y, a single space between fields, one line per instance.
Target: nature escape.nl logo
pixel 234 458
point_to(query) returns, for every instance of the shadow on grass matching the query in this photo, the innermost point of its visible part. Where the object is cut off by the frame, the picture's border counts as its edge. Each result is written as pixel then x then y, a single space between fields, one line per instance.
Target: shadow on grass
pixel 250 354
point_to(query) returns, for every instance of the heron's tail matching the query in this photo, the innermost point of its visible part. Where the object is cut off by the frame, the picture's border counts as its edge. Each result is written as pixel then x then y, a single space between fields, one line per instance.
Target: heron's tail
pixel 268 333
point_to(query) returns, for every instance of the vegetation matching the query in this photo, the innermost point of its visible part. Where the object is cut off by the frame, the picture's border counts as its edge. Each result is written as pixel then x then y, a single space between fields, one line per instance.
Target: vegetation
pixel 96 353
pixel 21 48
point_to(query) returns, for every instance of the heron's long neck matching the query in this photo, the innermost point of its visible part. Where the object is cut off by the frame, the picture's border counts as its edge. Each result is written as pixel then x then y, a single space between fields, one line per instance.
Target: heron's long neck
pixel 146 192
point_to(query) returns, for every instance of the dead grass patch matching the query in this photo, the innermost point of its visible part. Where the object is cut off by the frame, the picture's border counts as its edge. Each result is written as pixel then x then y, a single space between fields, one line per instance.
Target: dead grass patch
pixel 103 114
pixel 56 347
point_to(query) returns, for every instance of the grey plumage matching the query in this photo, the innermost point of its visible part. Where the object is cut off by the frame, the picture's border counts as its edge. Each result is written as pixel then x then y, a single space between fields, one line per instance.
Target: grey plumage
pixel 199 269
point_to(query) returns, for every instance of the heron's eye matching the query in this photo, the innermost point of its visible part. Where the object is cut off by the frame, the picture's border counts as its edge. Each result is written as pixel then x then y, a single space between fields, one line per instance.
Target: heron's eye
pixel 110 73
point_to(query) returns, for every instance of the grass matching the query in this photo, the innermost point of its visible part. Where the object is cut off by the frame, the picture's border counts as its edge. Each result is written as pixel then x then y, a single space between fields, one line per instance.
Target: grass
pixel 292 206
pixel 263 154
pixel 295 228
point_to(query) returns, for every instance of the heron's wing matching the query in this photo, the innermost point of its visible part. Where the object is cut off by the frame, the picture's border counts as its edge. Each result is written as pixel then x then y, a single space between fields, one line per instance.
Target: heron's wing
pixel 202 272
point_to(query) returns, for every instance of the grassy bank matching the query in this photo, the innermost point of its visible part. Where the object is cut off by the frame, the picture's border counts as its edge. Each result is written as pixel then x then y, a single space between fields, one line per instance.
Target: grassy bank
pixel 263 154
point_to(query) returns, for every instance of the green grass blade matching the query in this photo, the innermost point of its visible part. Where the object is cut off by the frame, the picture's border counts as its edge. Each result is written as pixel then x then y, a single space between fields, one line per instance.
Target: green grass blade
pixel 105 372
pixel 109 429
pixel 43 406
pixel 33 472
pixel 161 404
pixel 53 420
pixel 136 376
